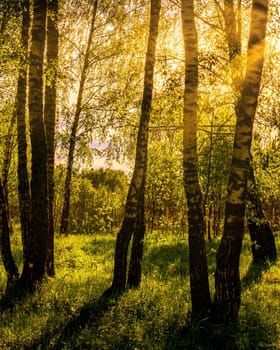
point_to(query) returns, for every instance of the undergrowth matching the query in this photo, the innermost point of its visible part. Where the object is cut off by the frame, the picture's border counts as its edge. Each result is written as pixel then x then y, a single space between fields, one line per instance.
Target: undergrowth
pixel 67 312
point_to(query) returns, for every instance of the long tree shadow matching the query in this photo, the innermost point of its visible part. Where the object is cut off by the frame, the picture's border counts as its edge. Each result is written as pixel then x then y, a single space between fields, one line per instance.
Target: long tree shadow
pixel 8 303
pixel 14 295
pixel 204 334
pixel 173 258
pixel 169 259
pixel 254 273
pixel 56 339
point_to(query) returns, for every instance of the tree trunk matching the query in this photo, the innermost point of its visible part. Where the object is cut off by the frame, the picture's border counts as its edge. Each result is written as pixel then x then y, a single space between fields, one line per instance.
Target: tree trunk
pixel 72 142
pixel 227 278
pixel 34 264
pixel 135 265
pixel 263 241
pixel 133 222
pixel 20 105
pixel 8 10
pixel 200 294
pixel 3 22
pixel 8 146
pixel 6 253
pixel 50 117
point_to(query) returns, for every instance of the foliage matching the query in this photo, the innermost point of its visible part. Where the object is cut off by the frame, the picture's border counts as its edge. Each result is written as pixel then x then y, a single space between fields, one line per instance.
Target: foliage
pixel 165 200
pixel 97 200
pixel 111 101
pixel 155 315
pixel 9 55
pixel 215 148
pixel 266 162
pixel 66 313
pixel 112 87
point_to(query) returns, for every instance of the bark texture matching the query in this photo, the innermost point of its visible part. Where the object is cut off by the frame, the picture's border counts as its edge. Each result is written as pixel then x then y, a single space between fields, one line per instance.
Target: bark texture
pixel 227 277
pixel 233 36
pixel 137 248
pixel 133 223
pixel 72 142
pixel 5 245
pixel 263 241
pixel 8 147
pixel 50 117
pixel 20 108
pixel 34 264
pixel 200 294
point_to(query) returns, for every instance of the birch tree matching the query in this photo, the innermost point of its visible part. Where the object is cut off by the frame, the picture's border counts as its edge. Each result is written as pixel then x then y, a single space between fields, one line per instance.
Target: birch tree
pixel 227 277
pixel 263 242
pixel 36 250
pixel 74 127
pixel 50 118
pixel 20 111
pixel 133 223
pixel 5 245
pixel 200 294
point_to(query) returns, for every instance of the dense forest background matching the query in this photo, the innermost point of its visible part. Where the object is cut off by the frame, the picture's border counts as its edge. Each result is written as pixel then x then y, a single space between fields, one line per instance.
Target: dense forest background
pixel 133 126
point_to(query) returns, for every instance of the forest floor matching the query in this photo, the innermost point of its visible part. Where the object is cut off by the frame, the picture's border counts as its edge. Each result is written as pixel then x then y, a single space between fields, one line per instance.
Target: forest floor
pixel 67 313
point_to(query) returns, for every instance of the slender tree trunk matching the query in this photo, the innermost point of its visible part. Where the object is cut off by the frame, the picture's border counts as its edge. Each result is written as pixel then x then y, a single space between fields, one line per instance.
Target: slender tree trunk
pixel 50 117
pixel 5 245
pixel 4 19
pixel 8 146
pixel 227 277
pixel 263 242
pixel 9 139
pixel 72 142
pixel 200 294
pixel 133 222
pixel 20 106
pixel 206 201
pixel 34 264
pixel 135 265
pixel 232 33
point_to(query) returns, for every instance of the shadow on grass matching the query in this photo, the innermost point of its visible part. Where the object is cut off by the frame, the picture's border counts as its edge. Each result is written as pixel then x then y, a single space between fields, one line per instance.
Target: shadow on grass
pixel 204 335
pixel 173 258
pixel 254 273
pixel 104 247
pixel 169 259
pixel 56 339
pixel 12 297
pixel 8 303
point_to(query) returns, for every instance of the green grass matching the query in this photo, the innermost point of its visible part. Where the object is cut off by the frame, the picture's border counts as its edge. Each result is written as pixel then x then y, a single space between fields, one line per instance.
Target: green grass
pixel 68 314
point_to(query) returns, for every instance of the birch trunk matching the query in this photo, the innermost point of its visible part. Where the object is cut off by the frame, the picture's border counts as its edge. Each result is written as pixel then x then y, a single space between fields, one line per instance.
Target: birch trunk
pixel 263 241
pixel 200 294
pixel 133 223
pixel 50 117
pixel 227 277
pixel 5 246
pixel 34 264
pixel 72 142
pixel 20 112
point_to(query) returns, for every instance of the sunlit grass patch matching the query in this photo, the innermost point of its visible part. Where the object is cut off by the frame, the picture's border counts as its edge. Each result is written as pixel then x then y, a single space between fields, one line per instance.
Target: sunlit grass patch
pixel 140 319
pixel 66 312
pixel 260 309
pixel 81 276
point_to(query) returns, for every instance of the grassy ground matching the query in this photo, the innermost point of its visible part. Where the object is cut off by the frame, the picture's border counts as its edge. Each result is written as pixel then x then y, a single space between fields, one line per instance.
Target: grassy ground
pixel 67 313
